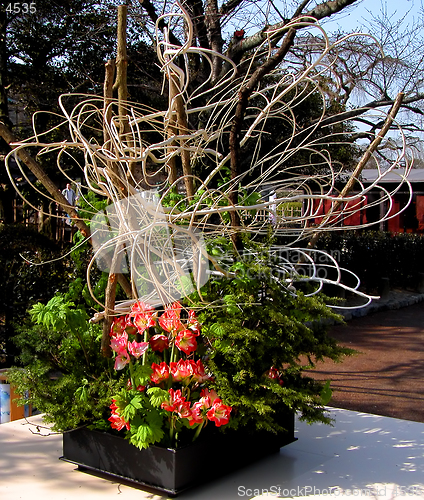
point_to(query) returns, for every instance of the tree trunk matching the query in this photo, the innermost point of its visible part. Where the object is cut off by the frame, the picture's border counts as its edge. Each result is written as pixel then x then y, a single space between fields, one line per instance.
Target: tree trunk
pixel 214 35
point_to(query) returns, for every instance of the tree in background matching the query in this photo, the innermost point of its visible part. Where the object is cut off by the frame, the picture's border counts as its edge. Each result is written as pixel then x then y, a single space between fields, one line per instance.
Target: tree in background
pixel 261 48
pixel 62 48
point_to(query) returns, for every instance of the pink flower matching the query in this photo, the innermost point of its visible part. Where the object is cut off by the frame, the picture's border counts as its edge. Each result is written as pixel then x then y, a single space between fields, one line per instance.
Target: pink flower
pixel 121 360
pixel 186 341
pixel 144 316
pixel 219 413
pixel 174 401
pixel 170 319
pixel 119 342
pixel 160 372
pixel 137 349
pixel 159 342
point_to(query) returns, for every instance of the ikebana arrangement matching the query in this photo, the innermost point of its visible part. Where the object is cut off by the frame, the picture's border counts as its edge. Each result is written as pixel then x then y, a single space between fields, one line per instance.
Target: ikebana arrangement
pixel 202 315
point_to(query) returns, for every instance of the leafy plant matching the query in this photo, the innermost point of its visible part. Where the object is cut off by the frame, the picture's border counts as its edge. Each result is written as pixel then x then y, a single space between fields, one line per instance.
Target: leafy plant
pixel 261 340
pixel 62 374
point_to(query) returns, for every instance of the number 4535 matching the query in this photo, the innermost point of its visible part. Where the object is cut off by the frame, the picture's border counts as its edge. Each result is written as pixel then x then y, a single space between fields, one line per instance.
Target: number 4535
pixel 24 8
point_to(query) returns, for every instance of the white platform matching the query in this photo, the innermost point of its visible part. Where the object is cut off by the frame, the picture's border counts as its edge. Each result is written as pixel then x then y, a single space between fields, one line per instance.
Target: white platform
pixel 361 456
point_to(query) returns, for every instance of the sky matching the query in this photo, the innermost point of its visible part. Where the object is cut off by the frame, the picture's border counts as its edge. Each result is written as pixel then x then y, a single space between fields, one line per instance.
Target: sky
pixel 358 14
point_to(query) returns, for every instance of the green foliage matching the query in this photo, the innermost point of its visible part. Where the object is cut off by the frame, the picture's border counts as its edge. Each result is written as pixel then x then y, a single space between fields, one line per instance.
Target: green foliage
pixel 259 327
pixel 58 314
pixel 147 420
pixel 62 373
pixel 25 283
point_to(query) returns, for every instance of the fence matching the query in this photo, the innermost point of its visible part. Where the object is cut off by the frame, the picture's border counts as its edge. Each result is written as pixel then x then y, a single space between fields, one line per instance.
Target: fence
pixel 53 225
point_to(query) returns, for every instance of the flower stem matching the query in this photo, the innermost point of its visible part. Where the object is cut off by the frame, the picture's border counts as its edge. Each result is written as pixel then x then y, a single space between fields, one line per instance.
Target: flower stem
pixel 173 352
pixel 199 428
pixel 172 429
pixel 130 366
pixel 146 339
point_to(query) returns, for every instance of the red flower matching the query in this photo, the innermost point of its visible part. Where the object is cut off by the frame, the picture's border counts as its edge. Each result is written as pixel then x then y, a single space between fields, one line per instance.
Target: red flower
pixel 186 341
pixel 170 319
pixel 113 406
pixel 182 370
pixel 174 401
pixel 117 422
pixel 274 374
pixel 199 374
pixel 140 308
pixel 204 403
pixel 144 316
pixel 183 410
pixel 131 329
pixel 160 372
pixel 159 342
pixel 196 415
pixel 118 326
pixel 193 323
pixel 211 394
pixel 140 388
pixel 219 413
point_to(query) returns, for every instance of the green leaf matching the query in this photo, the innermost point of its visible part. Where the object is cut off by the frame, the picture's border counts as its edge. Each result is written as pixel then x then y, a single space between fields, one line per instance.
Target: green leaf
pixel 145 432
pixel 157 396
pixel 136 401
pixel 142 374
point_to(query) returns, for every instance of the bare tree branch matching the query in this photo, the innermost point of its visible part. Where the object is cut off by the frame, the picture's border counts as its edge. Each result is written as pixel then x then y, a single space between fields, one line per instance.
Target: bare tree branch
pixel 319 12
pixel 230 6
pixel 148 6
pixel 356 112
pixel 360 166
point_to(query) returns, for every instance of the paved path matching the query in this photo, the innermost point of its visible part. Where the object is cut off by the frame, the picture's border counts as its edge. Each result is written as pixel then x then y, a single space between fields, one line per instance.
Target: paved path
pixel 387 376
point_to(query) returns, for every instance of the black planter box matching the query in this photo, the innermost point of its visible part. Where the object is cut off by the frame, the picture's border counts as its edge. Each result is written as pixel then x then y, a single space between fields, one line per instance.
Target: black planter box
pixel 166 469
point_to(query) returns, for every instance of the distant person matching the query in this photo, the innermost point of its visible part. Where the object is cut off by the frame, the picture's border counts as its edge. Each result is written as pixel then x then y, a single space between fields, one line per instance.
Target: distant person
pixel 71 198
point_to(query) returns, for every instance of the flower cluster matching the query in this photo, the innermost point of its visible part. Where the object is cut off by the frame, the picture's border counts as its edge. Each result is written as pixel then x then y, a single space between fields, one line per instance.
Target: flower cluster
pixel 209 407
pixel 167 380
pixel 141 318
